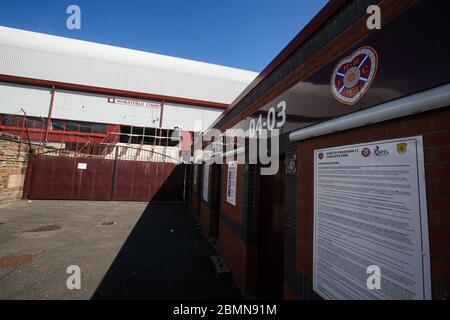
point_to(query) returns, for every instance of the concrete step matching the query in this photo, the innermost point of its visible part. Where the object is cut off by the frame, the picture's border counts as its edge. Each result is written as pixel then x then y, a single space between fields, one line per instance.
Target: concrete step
pixel 214 245
pixel 220 267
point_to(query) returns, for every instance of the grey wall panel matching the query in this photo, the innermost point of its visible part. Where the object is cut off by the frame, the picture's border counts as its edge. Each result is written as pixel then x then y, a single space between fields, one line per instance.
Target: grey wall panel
pixel 96 108
pixel 40 56
pixel 35 101
pixel 186 117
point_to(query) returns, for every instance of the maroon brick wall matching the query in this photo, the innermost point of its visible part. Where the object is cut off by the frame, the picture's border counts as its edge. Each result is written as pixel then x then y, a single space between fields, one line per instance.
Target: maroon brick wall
pixel 289 294
pixel 233 212
pixel 233 250
pixel 205 219
pixel 194 199
pixel 434 126
pixel 240 254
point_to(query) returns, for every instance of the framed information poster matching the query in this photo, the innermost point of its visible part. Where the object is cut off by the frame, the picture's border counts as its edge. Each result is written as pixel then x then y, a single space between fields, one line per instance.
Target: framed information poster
pixel 205 182
pixel 370 222
pixel 231 182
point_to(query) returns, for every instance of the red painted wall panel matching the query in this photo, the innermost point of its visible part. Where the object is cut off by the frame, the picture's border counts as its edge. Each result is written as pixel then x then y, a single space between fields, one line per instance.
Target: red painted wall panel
pixel 139 180
pixel 58 178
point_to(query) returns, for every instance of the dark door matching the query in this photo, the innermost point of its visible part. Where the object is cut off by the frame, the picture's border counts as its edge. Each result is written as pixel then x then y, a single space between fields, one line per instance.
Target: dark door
pixel 270 264
pixel 215 199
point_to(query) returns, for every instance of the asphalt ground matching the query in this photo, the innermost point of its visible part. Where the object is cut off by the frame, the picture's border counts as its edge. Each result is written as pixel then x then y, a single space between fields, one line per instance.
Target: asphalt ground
pixel 124 250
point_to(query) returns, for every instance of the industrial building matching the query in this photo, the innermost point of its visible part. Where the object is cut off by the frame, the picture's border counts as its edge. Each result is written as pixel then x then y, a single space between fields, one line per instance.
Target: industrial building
pixel 79 98
pixel 364 162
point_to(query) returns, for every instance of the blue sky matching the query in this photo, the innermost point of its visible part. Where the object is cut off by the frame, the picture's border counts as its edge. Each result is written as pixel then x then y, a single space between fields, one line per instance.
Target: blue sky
pixel 238 33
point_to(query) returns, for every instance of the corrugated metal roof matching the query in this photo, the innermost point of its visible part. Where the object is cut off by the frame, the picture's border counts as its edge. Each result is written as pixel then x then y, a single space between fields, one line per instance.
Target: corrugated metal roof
pixel 40 56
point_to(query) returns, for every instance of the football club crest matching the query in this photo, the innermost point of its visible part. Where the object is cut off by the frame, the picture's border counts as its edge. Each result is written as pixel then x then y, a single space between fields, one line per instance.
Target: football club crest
pixel 402 148
pixel 365 152
pixel 353 75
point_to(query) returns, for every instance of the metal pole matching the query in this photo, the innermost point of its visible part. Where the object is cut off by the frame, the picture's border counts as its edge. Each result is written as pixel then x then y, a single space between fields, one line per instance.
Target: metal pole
pixel 161 121
pixel 49 118
pixel 21 134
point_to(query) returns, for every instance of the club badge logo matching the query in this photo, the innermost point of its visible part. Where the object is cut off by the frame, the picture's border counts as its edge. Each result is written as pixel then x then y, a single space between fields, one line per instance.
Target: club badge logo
pixel 402 148
pixel 320 156
pixel 365 152
pixel 353 75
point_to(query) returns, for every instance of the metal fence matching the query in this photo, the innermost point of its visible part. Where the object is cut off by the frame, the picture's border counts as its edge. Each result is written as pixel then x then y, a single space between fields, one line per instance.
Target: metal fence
pixel 120 152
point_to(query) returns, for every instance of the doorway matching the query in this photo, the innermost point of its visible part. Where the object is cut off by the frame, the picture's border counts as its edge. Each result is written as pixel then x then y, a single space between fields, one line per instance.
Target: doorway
pixel 271 235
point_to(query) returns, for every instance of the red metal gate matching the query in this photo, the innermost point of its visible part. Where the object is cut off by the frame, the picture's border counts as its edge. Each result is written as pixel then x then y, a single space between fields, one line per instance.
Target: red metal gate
pixel 113 172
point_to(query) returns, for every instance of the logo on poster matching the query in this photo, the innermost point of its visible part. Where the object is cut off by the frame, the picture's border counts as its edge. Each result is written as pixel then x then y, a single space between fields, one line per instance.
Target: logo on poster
pixel 380 152
pixel 365 152
pixel 353 75
pixel 320 156
pixel 402 148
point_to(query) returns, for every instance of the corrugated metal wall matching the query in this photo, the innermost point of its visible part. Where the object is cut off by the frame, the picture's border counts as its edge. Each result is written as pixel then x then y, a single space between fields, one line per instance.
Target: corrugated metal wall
pixel 35 101
pixel 40 56
pixel 81 106
pixel 185 116
pixel 96 108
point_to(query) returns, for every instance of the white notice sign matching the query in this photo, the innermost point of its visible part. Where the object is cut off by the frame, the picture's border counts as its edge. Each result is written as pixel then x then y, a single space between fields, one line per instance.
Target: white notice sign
pixel 370 210
pixel 205 182
pixel 231 182
pixel 82 166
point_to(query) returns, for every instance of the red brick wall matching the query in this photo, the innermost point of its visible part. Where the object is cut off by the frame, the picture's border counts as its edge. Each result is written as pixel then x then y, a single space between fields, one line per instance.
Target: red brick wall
pixel 195 202
pixel 234 212
pixel 241 257
pixel 205 219
pixel 194 196
pixel 233 250
pixel 289 294
pixel 434 126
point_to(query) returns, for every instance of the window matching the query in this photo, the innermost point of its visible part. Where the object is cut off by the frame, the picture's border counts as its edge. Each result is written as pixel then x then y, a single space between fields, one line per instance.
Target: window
pixel 71 126
pixel 58 125
pixel 100 128
pixel 85 127
pixel 9 120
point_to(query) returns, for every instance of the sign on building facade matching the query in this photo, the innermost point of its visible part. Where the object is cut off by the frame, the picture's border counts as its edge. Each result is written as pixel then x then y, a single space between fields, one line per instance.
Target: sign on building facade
pixel 370 210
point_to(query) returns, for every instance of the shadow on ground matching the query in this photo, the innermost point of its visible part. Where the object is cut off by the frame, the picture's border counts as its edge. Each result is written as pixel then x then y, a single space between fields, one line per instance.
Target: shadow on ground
pixel 164 257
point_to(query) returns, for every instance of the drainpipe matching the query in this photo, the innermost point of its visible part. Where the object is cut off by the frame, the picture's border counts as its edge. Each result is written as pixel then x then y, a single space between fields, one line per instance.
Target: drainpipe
pixel 161 114
pixel 160 121
pixel 24 127
pixel 49 118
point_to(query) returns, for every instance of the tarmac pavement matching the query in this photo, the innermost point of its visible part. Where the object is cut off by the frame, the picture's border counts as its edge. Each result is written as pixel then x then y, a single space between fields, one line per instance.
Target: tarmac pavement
pixel 125 250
